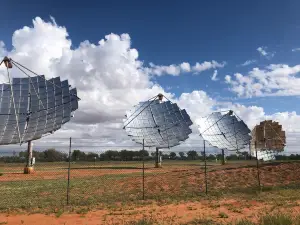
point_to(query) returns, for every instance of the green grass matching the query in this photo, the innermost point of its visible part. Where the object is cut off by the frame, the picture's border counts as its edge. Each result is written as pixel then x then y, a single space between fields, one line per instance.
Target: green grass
pixel 244 222
pixel 56 166
pixel 200 221
pixel 143 222
pixel 106 190
pixel 46 193
pixel 279 219
pixel 274 219
pixel 223 215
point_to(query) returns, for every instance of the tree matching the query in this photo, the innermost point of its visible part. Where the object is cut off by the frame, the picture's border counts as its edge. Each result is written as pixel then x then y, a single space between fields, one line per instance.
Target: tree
pixel 91 156
pixel 245 155
pixel 51 155
pixel 182 155
pixel 112 155
pixel 231 157
pixel 165 156
pixel 192 154
pixel 78 155
pixel 211 157
pixel 173 155
pixel 143 153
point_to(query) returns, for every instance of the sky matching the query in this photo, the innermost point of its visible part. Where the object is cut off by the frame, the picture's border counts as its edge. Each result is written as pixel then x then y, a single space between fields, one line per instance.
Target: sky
pixel 203 55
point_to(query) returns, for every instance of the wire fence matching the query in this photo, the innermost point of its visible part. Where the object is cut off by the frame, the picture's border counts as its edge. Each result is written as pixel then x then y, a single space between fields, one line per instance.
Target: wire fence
pixel 75 173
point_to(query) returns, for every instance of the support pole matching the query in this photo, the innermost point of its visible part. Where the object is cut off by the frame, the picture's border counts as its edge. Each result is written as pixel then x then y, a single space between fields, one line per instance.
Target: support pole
pixel 250 155
pixel 223 157
pixel 257 166
pixel 29 167
pixel 157 159
pixel 69 171
pixel 143 170
pixel 205 168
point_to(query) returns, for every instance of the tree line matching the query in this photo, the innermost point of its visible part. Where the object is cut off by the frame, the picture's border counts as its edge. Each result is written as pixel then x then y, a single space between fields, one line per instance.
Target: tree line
pixel 52 155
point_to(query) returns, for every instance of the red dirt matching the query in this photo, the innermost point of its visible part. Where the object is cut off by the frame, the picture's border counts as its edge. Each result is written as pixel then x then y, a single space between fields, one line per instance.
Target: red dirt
pixel 173 181
pixel 75 173
pixel 167 214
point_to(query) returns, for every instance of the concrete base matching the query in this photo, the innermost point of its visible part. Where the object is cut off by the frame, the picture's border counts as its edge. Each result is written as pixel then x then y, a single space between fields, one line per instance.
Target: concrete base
pixel 158 165
pixel 28 170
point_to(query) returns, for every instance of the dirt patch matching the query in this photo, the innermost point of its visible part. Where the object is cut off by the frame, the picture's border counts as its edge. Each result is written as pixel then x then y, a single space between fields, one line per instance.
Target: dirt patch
pixel 217 211
pixel 107 186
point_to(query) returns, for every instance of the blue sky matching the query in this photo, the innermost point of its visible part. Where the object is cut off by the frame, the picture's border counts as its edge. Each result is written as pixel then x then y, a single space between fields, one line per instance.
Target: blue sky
pixel 167 33
pixel 170 32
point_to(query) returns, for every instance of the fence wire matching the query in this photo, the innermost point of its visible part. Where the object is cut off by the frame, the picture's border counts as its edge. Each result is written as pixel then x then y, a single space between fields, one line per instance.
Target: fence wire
pixel 70 174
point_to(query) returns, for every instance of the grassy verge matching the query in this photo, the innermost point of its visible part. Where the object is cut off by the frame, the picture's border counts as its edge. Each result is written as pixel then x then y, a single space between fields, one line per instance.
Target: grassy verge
pixel 279 219
pixel 110 189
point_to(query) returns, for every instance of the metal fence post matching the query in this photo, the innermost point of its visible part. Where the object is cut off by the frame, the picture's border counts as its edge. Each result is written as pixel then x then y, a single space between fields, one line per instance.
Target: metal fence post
pixel 143 170
pixel 205 169
pixel 69 170
pixel 257 166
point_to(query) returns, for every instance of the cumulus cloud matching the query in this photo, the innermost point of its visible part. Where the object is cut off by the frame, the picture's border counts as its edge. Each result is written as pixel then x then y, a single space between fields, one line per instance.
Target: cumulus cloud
pixel 263 52
pixel 111 78
pixel 2 49
pixel 274 80
pixel 214 76
pixel 227 78
pixel 198 68
pixel 184 67
pixel 248 62
pixel 199 104
pixel 108 75
pixel 173 70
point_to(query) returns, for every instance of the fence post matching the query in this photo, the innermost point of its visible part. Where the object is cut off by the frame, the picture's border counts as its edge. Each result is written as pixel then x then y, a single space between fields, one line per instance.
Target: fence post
pixel 250 155
pixel 69 170
pixel 223 157
pixel 205 171
pixel 257 166
pixel 143 171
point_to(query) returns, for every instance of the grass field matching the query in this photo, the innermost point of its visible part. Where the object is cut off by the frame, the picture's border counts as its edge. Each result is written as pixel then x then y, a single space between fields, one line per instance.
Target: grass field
pixel 109 185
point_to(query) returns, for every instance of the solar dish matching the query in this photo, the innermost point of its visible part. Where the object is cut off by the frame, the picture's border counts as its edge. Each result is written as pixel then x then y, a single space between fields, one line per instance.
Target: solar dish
pixel 268 138
pixel 224 130
pixel 32 107
pixel 161 124
pixel 266 155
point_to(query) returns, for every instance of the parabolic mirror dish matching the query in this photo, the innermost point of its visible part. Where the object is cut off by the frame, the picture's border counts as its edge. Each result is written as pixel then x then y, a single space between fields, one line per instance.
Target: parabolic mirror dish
pixel 268 139
pixel 160 124
pixel 35 107
pixel 225 130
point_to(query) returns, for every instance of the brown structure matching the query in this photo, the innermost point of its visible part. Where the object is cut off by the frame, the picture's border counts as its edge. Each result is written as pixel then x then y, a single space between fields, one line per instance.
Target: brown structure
pixel 268 135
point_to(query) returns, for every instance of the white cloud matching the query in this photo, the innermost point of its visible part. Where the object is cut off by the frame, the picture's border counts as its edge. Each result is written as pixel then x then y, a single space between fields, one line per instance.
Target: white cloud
pixel 227 78
pixel 176 70
pixel 110 79
pixel 274 80
pixel 214 76
pixel 2 49
pixel 198 104
pixel 108 75
pixel 263 51
pixel 248 62
pixel 295 49
pixel 198 68
pixel 185 67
